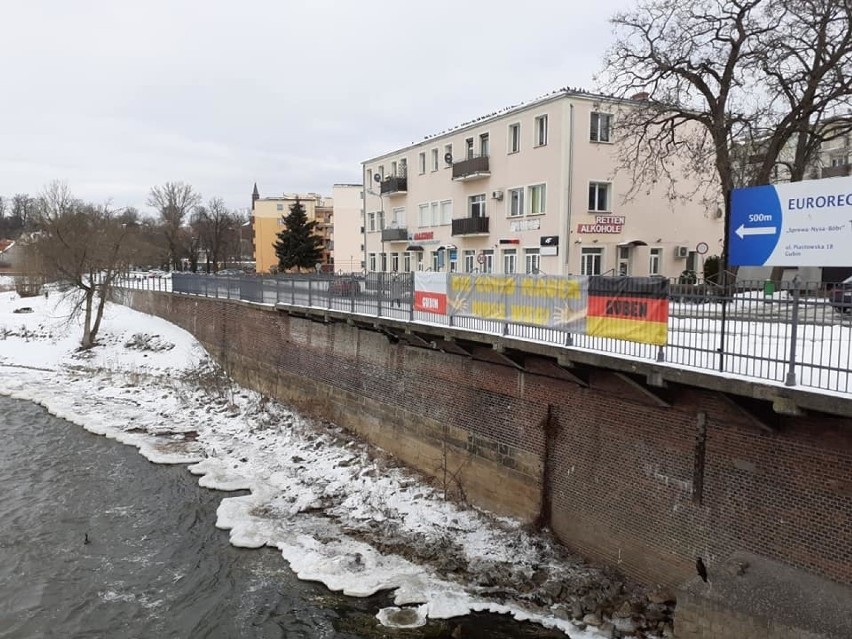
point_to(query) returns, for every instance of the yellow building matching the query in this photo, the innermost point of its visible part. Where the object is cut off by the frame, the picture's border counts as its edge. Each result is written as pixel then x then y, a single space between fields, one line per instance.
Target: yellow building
pixel 267 216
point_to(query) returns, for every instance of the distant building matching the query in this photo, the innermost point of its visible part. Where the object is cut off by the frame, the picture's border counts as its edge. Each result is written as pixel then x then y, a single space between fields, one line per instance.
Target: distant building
pixel 267 216
pixel 348 227
pixel 531 189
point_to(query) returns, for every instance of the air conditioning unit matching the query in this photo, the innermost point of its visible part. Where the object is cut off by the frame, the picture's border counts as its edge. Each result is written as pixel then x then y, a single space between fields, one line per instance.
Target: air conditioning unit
pixel 497 195
pixel 682 251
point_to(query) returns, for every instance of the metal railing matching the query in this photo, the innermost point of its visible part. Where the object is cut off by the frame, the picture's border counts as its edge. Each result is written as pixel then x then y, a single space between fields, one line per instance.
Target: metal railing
pixel 473 166
pixel 798 335
pixel 470 225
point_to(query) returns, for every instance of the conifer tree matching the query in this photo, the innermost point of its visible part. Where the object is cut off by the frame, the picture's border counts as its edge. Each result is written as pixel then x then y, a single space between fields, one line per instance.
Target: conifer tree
pixel 298 246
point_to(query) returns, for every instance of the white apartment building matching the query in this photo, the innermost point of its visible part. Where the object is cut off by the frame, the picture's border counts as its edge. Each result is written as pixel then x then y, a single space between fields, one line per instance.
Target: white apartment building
pixel 532 189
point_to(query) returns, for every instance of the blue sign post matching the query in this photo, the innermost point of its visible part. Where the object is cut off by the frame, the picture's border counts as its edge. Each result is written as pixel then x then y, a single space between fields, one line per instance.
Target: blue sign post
pixel 793 224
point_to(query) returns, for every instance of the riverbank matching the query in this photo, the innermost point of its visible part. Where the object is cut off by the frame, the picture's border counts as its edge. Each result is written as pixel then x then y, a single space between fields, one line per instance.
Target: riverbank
pixel 338 511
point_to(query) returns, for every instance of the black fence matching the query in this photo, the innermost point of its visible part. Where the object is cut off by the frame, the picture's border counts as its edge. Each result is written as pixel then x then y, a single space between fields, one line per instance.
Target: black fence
pixel 797 334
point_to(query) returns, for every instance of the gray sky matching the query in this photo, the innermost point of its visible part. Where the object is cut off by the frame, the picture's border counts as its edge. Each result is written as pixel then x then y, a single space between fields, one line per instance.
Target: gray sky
pixel 114 96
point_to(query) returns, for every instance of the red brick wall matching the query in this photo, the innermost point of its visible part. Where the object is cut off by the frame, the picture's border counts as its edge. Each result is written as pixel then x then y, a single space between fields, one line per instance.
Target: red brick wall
pixel 621 468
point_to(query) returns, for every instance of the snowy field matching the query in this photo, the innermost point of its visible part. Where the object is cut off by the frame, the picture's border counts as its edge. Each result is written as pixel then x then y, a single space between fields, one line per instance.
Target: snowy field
pixel 338 511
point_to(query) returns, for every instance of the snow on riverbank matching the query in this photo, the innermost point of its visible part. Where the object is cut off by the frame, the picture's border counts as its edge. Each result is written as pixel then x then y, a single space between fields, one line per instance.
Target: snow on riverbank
pixel 337 510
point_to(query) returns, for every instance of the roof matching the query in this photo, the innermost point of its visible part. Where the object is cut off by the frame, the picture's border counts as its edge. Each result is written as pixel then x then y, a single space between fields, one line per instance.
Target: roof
pixel 564 92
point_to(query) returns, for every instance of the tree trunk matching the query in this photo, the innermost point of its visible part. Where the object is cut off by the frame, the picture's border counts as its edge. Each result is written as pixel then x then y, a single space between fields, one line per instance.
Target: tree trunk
pixel 87 341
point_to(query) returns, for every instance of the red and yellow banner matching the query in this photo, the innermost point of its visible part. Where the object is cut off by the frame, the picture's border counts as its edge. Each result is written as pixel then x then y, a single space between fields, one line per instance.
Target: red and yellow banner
pixel 629 308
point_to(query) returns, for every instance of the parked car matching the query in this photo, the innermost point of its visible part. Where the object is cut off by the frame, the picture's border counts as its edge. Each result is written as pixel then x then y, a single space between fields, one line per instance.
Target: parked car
pixel 345 287
pixel 840 297
pixel 230 272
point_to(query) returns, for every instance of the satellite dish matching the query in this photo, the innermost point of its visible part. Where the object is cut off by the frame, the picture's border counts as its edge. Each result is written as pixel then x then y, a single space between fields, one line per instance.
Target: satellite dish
pixel 448 158
pixel 377 178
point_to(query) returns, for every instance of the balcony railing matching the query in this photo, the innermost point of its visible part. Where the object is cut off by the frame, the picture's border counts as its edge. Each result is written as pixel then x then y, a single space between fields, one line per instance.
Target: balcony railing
pixel 394 185
pixel 470 226
pixel 395 234
pixel 472 168
pixel 837 171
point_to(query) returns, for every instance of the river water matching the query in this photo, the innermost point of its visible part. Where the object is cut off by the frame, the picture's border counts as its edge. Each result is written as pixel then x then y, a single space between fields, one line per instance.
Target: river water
pixel 95 541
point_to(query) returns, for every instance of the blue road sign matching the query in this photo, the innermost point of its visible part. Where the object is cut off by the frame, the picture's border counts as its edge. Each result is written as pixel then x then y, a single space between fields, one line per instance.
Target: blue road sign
pixel 793 224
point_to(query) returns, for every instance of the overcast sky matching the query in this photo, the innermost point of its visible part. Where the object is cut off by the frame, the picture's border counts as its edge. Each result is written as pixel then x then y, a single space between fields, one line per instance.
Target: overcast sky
pixel 115 96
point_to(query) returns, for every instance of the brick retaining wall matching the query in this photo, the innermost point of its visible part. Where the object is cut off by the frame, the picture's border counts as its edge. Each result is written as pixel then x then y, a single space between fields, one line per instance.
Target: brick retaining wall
pixel 629 483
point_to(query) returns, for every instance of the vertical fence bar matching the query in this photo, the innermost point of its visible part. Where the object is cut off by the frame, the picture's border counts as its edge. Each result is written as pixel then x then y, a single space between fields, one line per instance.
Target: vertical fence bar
pixel 794 331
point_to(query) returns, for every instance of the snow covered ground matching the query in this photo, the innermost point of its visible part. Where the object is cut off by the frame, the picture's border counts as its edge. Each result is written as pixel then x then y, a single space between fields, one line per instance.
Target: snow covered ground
pixel 338 511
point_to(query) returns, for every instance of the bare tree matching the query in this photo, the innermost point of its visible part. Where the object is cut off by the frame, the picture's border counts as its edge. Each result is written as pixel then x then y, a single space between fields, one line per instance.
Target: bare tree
pixel 212 225
pixel 173 200
pixel 84 246
pixel 727 87
pixel 23 208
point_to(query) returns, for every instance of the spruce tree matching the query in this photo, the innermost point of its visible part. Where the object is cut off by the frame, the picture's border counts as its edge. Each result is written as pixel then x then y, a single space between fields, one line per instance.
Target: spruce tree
pixel 298 246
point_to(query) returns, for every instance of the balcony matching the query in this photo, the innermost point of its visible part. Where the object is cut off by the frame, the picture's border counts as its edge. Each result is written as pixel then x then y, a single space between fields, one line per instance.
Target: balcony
pixel 473 168
pixel 395 235
pixel 470 226
pixel 837 171
pixel 394 185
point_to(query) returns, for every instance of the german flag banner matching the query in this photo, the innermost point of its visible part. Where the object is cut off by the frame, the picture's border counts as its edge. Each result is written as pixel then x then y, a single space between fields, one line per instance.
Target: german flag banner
pixel 629 308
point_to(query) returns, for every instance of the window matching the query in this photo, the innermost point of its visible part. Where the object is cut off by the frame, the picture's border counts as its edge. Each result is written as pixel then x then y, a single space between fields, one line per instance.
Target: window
pixel 601 123
pixel 436 261
pixel 434 214
pixel 446 212
pixel 381 172
pixel 434 159
pixel 371 221
pixel 403 168
pixel 422 162
pixel 655 261
pixel 423 215
pixel 372 261
pixel 514 138
pixel 510 258
pixel 541 130
pixel 369 177
pixel 483 145
pixel 487 265
pixel 279 207
pixel 398 218
pixel 599 196
pixel 448 153
pixel 393 169
pixel 591 260
pixel 532 260
pixel 469 261
pixel 516 202
pixel 468 145
pixel 380 220
pixel 384 257
pixel 406 262
pixel 394 262
pixel 538 194
pixel 476 205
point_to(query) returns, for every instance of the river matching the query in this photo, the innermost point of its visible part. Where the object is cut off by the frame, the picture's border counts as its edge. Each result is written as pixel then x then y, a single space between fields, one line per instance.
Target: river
pixel 95 541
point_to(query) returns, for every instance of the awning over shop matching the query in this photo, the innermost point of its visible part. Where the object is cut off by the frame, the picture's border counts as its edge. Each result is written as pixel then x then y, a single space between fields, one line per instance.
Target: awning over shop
pixel 633 243
pixel 414 247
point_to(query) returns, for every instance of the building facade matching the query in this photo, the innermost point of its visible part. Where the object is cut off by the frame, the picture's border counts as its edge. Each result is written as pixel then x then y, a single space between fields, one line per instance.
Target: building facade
pixel 348 227
pixel 533 189
pixel 267 215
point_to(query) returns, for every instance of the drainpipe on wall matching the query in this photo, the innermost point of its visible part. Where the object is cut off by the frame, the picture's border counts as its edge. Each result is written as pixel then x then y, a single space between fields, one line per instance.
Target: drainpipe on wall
pixel 570 187
pixel 364 211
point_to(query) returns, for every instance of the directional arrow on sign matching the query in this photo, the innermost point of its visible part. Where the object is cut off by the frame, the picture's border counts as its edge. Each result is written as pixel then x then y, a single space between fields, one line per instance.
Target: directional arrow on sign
pixel 755 230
